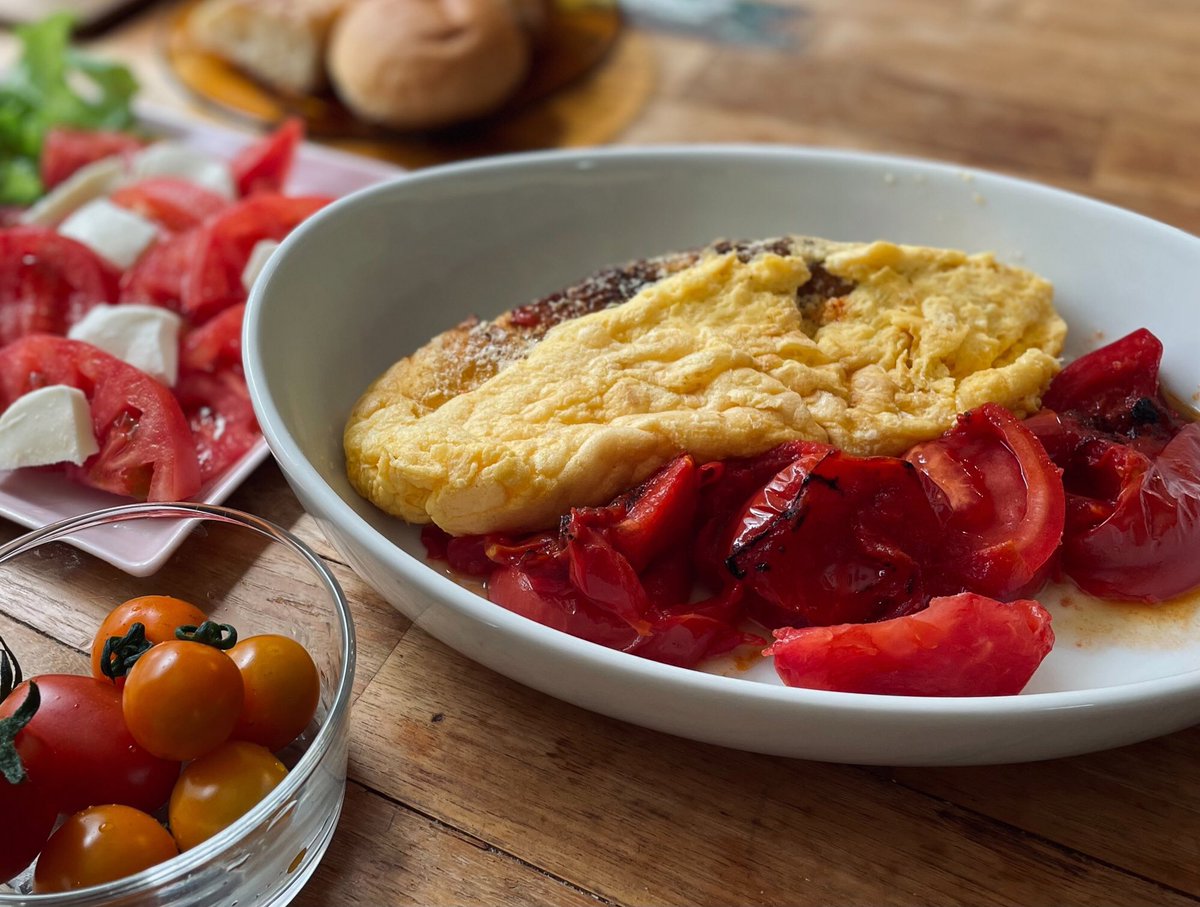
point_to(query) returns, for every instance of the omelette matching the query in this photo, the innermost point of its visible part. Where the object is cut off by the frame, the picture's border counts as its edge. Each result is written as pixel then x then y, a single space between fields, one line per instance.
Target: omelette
pixel 723 352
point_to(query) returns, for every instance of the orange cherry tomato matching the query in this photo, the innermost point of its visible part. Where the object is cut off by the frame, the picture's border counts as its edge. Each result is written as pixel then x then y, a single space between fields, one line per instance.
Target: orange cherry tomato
pixel 101 844
pixel 182 699
pixel 217 789
pixel 159 614
pixel 282 689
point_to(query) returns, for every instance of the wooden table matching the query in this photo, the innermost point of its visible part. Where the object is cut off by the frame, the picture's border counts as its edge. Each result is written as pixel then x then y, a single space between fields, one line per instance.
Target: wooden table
pixel 468 789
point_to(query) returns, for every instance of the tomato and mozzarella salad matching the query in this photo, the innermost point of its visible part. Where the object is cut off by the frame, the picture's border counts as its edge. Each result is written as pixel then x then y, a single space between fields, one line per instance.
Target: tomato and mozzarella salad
pixel 909 575
pixel 178 720
pixel 122 292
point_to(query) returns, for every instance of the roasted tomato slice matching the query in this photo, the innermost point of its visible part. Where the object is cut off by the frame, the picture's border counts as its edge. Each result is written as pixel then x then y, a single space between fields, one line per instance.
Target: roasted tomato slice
pixel 265 165
pixel 961 645
pixel 835 538
pixel 176 204
pixel 1002 503
pixel 66 150
pixel 1135 531
pixel 48 282
pixel 1115 391
pixel 146 448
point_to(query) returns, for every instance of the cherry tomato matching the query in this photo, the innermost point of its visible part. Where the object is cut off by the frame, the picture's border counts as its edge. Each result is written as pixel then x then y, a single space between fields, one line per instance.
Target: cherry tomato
pixel 1002 503
pixel 89 756
pixel 265 165
pixel 161 615
pixel 66 150
pixel 27 811
pixel 961 645
pixel 282 689
pixel 219 788
pixel 146 447
pixel 182 699
pixel 835 538
pixel 101 844
pixel 176 204
pixel 48 282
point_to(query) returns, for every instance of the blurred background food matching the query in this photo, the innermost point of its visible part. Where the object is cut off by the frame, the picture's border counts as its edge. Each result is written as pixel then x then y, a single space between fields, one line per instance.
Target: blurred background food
pixel 405 64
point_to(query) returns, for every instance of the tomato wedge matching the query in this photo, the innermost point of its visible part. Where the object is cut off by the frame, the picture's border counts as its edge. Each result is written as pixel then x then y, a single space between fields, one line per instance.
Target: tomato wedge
pixel 266 165
pixel 221 418
pixel 156 278
pixel 176 204
pixel 66 150
pixel 146 447
pixel 48 282
pixel 1002 502
pixel 213 279
pixel 961 645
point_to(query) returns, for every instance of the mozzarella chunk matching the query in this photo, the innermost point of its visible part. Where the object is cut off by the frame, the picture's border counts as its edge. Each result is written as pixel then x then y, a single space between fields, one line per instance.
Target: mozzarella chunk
pixel 112 232
pixel 89 182
pixel 49 425
pixel 258 259
pixel 180 161
pixel 142 335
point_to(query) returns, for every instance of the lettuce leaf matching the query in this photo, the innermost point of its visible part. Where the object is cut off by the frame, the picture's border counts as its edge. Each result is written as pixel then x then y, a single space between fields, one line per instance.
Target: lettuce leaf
pixel 54 85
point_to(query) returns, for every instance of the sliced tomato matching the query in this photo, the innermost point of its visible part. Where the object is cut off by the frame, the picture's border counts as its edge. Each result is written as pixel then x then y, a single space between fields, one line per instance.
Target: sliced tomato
pixel 961 645
pixel 146 447
pixel 835 538
pixel 1115 391
pixel 213 279
pixel 156 278
pixel 66 150
pixel 176 204
pixel 1002 502
pixel 217 344
pixel 221 418
pixel 48 282
pixel 266 165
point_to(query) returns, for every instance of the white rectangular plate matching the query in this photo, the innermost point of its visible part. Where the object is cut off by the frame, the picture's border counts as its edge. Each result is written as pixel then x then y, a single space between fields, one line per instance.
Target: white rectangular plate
pixel 34 498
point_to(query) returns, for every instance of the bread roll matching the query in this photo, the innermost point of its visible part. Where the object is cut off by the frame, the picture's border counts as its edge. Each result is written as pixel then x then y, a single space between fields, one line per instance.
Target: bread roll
pixel 279 42
pixel 421 64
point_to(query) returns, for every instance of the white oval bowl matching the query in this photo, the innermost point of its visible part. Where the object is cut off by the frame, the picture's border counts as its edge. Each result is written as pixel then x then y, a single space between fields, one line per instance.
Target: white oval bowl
pixel 375 275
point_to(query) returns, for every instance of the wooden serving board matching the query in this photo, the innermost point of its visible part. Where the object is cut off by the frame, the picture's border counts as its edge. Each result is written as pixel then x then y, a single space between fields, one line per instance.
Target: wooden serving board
pixel 589 80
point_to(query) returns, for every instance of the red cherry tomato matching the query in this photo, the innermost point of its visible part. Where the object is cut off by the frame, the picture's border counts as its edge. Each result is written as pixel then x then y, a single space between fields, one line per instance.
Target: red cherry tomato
pixel 101 844
pixel 219 788
pixel 265 165
pixel 89 756
pixel 27 810
pixel 1003 502
pixel 961 645
pixel 282 689
pixel 48 282
pixel 146 446
pixel 182 699
pixel 176 204
pixel 66 150
pixel 835 539
pixel 160 615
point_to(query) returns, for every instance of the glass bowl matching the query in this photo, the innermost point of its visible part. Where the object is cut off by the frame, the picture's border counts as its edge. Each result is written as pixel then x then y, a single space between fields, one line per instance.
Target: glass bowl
pixel 244 571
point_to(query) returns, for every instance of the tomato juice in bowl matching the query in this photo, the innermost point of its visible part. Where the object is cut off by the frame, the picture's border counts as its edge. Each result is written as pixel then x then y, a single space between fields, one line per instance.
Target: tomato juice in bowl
pixel 473 237
pixel 271 850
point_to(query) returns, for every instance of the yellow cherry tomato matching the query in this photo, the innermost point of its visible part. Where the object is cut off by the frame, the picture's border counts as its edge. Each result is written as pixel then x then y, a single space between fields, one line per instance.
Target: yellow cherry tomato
pixel 182 699
pixel 161 615
pixel 218 789
pixel 282 688
pixel 101 844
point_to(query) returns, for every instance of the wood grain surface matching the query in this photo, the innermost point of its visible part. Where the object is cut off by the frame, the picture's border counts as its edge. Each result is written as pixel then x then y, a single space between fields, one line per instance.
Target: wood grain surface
pixel 469 789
